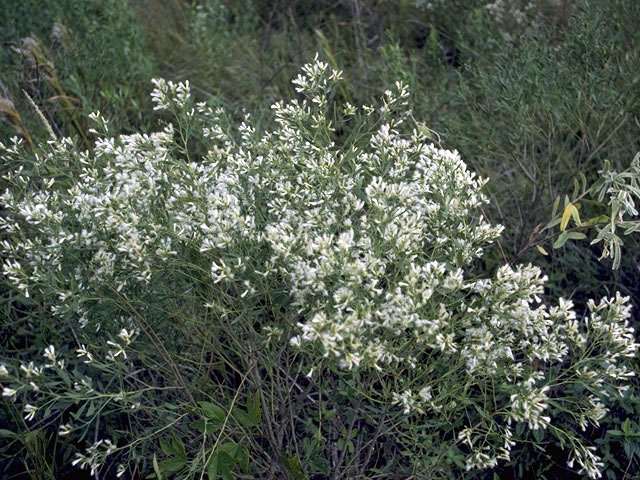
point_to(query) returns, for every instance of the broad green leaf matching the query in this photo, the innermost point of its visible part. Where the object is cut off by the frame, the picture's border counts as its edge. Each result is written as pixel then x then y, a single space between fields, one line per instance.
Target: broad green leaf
pixel 173 464
pixel 244 418
pixel 213 411
pixel 296 469
pixel 166 447
pixel 242 456
pixel 212 469
pixel 562 239
pixel 206 427
pixel 178 446
pixel 225 464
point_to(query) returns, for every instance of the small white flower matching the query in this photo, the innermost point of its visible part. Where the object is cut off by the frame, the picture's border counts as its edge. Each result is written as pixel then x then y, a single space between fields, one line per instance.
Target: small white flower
pixel 30 412
pixel 9 393
pixel 65 429
pixel 83 352
pixel 50 354
pixel 126 335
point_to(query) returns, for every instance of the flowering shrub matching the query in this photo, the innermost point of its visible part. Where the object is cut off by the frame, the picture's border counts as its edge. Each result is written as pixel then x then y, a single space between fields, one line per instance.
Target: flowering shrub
pixel 327 282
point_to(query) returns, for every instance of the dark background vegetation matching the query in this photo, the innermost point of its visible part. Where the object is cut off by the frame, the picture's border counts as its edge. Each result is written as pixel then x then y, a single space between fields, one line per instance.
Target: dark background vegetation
pixel 531 103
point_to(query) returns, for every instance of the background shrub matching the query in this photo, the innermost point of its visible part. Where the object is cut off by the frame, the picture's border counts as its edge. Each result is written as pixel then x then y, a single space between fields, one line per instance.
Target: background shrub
pixel 532 97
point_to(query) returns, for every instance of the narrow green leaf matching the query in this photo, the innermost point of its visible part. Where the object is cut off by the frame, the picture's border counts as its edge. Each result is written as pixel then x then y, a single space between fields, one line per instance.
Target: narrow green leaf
pixel 212 469
pixel 254 408
pixel 598 219
pixel 576 236
pixel 575 215
pixel 556 204
pixel 156 467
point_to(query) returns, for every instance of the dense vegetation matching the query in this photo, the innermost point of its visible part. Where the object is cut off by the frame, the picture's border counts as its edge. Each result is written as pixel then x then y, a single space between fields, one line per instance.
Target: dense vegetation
pixel 321 239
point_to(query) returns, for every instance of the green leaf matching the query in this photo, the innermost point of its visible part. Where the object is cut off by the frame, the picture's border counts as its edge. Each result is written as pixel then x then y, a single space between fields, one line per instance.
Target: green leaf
pixel 166 447
pixel 556 204
pixel 7 433
pixel 225 465
pixel 575 215
pixel 296 469
pixel 26 301
pixel 562 239
pixel 212 469
pixel 576 236
pixel 206 427
pixel 538 434
pixel 242 456
pixel 65 377
pixel 173 464
pixel 178 446
pixel 213 411
pixel 156 467
pixel 228 448
pixel 598 219
pixel 244 418
pixel 254 407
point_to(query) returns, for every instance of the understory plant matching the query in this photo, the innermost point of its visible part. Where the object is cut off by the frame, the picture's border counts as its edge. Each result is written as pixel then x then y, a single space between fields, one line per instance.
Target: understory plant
pixel 299 303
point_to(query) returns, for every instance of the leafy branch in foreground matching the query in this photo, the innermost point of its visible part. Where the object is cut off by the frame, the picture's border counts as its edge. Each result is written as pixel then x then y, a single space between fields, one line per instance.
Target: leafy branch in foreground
pixel 622 190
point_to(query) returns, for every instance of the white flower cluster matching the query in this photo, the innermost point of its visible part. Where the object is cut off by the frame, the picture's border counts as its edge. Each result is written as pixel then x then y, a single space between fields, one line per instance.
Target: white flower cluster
pixel 95 455
pixel 373 243
pixel 168 94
